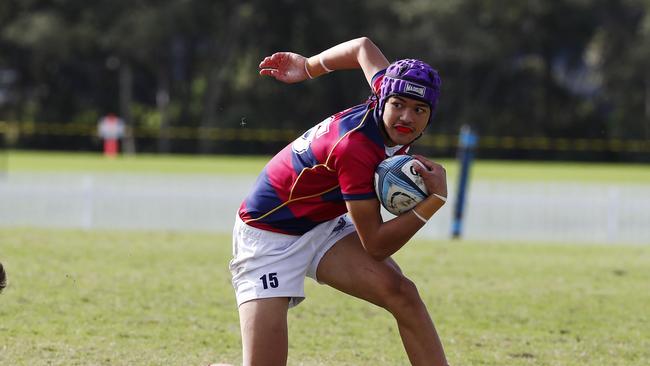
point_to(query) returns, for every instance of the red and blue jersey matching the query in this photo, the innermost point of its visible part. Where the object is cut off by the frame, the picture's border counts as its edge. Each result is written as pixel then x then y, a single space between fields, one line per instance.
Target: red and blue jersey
pixel 308 182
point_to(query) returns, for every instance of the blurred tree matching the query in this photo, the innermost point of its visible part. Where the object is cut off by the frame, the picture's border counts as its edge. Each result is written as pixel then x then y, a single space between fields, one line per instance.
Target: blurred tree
pixel 568 68
pixel 223 48
pixel 624 55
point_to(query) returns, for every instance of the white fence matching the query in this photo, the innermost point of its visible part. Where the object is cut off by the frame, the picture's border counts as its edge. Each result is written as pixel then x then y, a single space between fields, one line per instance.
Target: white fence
pixel 516 211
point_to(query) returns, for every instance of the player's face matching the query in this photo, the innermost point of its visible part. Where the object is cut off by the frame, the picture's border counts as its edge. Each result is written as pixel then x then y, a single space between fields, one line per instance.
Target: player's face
pixel 405 119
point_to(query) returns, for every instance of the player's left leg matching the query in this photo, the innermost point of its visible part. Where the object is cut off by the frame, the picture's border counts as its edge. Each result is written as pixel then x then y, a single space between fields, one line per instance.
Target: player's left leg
pixel 349 268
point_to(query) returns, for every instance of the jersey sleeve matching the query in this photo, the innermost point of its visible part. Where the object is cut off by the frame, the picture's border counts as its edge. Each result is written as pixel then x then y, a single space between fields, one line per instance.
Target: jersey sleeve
pixel 376 81
pixel 355 167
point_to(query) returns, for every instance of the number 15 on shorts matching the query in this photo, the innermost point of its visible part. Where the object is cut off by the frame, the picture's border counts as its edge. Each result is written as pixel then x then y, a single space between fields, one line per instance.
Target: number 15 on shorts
pixel 270 280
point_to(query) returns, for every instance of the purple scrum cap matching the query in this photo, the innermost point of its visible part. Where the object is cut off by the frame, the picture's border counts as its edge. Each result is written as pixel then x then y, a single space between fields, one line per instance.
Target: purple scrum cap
pixel 410 78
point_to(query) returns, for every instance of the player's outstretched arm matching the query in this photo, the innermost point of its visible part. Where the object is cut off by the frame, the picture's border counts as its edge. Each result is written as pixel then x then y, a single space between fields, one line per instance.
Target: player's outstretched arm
pixel 382 239
pixel 291 67
pixel 357 53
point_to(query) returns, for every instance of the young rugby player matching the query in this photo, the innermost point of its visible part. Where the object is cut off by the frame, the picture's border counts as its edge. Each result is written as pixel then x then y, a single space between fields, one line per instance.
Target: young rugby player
pixel 313 211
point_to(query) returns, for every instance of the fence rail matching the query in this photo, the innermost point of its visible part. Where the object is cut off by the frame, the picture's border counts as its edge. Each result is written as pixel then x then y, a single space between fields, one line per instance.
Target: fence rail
pixel 512 211
pixel 13 131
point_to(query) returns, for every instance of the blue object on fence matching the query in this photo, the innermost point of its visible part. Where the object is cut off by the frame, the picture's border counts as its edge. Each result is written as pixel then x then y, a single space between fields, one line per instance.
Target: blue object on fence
pixel 467 141
pixel 4 155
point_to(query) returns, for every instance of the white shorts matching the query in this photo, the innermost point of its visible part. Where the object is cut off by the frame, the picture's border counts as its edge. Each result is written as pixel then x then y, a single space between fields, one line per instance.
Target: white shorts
pixel 268 264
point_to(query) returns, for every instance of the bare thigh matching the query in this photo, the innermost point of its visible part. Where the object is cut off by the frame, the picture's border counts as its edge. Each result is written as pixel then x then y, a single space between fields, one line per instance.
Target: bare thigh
pixel 350 269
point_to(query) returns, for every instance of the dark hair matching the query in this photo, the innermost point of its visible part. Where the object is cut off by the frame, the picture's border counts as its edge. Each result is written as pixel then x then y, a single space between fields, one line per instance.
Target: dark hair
pixel 3 278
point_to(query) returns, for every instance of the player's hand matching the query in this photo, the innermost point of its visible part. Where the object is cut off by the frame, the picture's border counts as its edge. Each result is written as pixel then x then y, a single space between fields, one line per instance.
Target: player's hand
pixel 287 67
pixel 434 176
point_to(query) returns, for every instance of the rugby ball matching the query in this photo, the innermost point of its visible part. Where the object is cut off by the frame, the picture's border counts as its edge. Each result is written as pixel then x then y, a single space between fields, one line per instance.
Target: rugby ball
pixel 398 186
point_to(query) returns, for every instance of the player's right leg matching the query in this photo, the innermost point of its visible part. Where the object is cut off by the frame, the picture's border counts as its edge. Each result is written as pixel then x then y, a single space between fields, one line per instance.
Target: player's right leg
pixel 264 331
pixel 350 269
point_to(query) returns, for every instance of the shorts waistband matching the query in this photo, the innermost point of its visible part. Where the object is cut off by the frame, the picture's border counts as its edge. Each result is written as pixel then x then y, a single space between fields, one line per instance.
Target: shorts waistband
pixel 253 231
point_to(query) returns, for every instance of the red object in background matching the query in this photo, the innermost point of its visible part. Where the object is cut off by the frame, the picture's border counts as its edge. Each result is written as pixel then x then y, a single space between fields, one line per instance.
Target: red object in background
pixel 111 129
pixel 110 147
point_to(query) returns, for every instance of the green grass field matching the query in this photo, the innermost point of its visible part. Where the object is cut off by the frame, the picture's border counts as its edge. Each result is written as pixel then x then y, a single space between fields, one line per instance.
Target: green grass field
pixel 79 297
pixel 186 164
pixel 153 298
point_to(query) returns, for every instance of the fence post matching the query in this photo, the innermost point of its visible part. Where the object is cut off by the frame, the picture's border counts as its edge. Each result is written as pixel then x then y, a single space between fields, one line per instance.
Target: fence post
pixel 4 154
pixel 613 202
pixel 88 202
pixel 467 141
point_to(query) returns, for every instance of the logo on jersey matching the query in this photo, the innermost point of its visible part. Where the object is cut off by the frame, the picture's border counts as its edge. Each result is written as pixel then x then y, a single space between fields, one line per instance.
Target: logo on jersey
pixel 302 143
pixel 415 89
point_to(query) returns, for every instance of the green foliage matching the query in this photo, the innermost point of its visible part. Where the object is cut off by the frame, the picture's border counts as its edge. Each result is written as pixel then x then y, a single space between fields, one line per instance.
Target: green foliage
pixel 570 68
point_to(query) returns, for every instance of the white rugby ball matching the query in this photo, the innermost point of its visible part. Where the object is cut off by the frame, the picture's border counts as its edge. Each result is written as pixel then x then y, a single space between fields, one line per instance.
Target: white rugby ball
pixel 399 188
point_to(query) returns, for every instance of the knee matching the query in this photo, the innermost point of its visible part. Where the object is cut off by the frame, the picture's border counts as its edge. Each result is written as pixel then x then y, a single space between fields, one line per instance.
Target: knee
pixel 400 294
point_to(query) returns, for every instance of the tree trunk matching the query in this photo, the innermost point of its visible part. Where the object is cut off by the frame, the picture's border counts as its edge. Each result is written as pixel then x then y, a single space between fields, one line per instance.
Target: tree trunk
pixel 647 106
pixel 162 102
pixel 223 52
pixel 126 99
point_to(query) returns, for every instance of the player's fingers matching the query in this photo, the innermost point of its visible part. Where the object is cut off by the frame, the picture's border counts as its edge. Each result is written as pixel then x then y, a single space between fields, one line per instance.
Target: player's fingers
pixel 438 170
pixel 427 163
pixel 278 58
pixel 273 61
pixel 419 168
pixel 269 65
pixel 435 167
pixel 265 62
pixel 436 173
pixel 269 72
